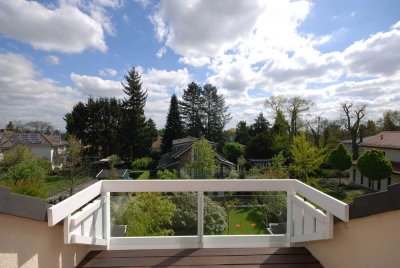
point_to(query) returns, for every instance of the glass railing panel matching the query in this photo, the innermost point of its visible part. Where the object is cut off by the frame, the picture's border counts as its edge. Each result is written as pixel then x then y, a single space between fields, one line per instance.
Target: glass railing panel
pixel 153 214
pixel 256 213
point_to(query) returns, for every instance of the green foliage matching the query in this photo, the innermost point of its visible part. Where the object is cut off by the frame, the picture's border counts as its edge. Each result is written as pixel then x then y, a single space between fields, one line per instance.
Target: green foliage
pixel 391 120
pixel 339 158
pixel 167 174
pixel 306 157
pixel 185 219
pixel 203 165
pixel 26 170
pixel 146 214
pixel 254 173
pixel 173 127
pixel 242 133
pixel 15 156
pixel 273 206
pixel 203 110
pixel 233 150
pixel 114 160
pixel 141 163
pixel 374 165
pixel 74 164
pixel 277 169
pixel 280 134
pixel 31 186
pixel 233 174
pixel 260 143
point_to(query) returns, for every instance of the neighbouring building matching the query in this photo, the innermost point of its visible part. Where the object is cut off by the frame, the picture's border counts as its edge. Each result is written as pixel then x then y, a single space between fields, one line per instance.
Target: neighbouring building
pixel 389 143
pixel 181 154
pixel 50 147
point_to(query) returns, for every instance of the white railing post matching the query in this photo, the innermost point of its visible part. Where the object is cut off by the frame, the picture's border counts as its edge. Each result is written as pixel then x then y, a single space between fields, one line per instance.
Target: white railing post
pixel 107 218
pixel 289 215
pixel 200 218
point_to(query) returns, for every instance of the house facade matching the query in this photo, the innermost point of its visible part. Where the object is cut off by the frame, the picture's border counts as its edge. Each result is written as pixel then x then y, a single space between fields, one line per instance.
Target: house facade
pixel 389 143
pixel 53 148
pixel 181 154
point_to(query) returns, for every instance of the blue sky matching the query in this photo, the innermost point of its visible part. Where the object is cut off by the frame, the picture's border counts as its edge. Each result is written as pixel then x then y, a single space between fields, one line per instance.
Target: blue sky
pixel 56 53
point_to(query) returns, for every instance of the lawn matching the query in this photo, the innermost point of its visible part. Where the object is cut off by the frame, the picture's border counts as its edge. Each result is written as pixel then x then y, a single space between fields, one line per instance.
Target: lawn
pixel 57 184
pixel 245 221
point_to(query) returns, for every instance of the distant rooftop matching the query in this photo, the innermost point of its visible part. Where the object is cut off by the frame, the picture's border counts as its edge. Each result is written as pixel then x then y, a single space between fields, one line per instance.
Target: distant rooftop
pixel 385 139
pixel 10 139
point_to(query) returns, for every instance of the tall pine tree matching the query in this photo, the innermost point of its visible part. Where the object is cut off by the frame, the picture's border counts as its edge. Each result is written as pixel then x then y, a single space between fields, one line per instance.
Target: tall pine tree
pixel 133 131
pixel 215 113
pixel 280 134
pixel 173 127
pixel 191 109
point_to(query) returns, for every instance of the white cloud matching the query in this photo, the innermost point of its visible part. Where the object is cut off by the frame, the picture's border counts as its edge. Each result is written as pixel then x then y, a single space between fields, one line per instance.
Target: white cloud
pixel 195 61
pixel 25 95
pixel 52 60
pixel 376 55
pixel 161 52
pixel 198 28
pixel 66 28
pixel 108 72
pixel 143 3
pixel 96 86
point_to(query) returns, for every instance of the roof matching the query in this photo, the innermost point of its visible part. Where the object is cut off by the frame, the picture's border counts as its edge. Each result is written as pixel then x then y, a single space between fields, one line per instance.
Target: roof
pixel 11 139
pixel 106 173
pixel 179 147
pixel 156 145
pixel 385 139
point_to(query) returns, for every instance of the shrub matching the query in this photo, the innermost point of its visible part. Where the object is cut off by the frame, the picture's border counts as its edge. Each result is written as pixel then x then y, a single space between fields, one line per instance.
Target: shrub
pixel 31 187
pixel 167 175
pixel 141 163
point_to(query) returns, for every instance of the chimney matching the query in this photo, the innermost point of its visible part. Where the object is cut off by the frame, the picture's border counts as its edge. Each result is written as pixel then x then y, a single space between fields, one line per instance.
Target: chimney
pixel 381 136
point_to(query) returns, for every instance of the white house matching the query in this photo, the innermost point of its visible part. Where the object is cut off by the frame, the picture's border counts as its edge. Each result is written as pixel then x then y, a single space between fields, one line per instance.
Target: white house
pixel 389 143
pixel 42 145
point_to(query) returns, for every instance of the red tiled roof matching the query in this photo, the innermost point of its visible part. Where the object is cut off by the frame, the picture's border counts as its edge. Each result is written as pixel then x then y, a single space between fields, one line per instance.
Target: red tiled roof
pixel 156 145
pixel 385 139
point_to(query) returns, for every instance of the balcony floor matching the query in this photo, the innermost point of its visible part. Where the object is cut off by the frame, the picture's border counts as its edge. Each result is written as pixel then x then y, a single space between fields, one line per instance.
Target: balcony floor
pixel 220 257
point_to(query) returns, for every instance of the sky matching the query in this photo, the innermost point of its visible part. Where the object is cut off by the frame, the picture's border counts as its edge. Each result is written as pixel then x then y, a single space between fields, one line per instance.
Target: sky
pixel 54 54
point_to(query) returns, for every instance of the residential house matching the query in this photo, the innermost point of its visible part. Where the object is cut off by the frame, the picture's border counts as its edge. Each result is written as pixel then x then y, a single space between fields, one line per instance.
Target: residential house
pixel 50 147
pixel 389 143
pixel 181 154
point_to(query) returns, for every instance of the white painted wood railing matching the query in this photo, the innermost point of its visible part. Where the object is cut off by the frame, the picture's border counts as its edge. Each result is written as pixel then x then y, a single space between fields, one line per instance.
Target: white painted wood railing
pixel 86 214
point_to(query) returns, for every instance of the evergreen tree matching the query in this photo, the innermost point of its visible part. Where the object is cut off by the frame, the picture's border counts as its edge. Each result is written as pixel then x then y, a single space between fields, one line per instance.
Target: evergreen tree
pixel 133 130
pixel 280 134
pixel 151 132
pixel 173 127
pixel 215 113
pixel 242 133
pixel 76 122
pixel 260 144
pixel 191 109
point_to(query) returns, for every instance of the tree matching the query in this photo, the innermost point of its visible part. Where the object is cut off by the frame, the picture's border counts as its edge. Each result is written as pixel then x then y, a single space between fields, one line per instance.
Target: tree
pixel 332 134
pixel 185 219
pixel 233 150
pixel 76 122
pixel 215 113
pixel 133 132
pixel 203 165
pixel 141 163
pixel 242 133
pixel 306 157
pixel 191 109
pixel 39 127
pixel 375 165
pixel 10 126
pixel 145 214
pixel 353 117
pixel 151 132
pixel 339 159
pixel 23 173
pixel 74 164
pixel 260 144
pixel 173 127
pixel 280 134
pixel 391 120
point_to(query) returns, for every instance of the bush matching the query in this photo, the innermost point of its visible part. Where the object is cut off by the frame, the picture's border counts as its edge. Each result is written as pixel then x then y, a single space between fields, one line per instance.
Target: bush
pixel 233 174
pixel 31 187
pixel 141 163
pixel 167 175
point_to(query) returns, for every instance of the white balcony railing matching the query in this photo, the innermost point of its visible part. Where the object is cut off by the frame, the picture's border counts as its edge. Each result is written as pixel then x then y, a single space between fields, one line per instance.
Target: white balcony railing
pixel 86 214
